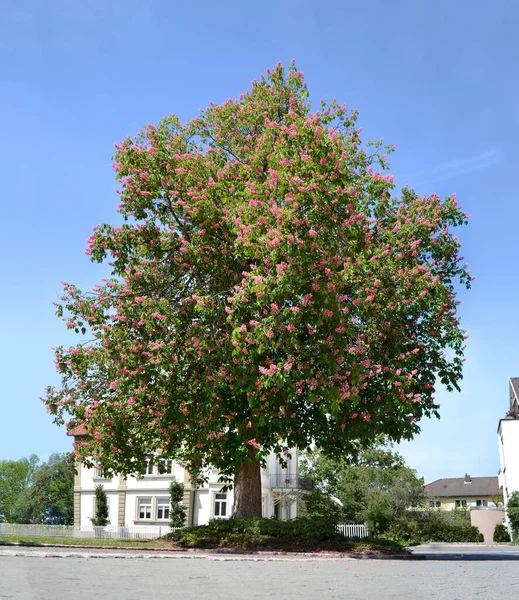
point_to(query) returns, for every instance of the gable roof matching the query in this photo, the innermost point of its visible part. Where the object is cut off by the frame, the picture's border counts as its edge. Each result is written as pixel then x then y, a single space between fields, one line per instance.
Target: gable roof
pixel 514 382
pixel 456 486
pixel 78 430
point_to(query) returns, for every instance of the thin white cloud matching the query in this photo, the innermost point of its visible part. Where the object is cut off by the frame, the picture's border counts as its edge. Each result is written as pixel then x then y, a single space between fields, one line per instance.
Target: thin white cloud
pixel 457 167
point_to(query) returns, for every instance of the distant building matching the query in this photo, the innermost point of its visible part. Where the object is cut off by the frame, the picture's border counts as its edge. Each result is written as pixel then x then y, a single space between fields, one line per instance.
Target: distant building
pixel 463 492
pixel 143 500
pixel 508 441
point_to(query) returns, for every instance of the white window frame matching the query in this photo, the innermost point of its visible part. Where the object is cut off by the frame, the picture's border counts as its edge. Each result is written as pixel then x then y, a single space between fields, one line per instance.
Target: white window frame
pixel 149 468
pixel 218 501
pixel 162 503
pixel 138 508
pixel 98 474
pixel 169 465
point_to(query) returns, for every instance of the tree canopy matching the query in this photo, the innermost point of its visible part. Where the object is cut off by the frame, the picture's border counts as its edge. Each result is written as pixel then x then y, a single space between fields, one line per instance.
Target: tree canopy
pixel 38 493
pixel 15 477
pixel 268 291
pixel 374 486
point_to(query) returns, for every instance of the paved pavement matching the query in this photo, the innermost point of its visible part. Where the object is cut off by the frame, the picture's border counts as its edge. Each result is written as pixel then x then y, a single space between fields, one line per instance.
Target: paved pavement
pixel 89 574
pixel 466 552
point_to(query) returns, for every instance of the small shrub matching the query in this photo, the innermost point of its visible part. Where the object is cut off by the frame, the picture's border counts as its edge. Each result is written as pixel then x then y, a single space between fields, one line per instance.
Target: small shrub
pixel 404 530
pixel 177 515
pixel 100 519
pixel 501 533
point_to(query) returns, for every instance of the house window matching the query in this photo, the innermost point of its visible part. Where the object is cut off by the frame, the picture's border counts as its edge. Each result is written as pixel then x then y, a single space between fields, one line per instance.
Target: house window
pixel 461 503
pixel 220 505
pixel 144 508
pixel 481 502
pixel 438 504
pixel 162 508
pixel 99 473
pixel 148 467
pixel 165 466
pixel 431 504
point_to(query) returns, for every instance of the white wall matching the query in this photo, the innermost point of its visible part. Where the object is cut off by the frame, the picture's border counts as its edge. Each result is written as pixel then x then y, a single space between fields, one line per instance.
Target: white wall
pixel 156 486
pixel 508 441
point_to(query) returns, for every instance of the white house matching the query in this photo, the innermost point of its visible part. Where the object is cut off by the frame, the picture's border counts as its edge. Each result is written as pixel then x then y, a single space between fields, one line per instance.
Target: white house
pixel 144 500
pixel 508 440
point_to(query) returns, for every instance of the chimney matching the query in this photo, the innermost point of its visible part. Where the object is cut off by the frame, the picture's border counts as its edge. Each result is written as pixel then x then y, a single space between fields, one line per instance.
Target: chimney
pixel 467 478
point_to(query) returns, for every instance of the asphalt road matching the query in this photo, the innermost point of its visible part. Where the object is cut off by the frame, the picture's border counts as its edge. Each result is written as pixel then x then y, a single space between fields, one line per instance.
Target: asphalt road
pixel 87 575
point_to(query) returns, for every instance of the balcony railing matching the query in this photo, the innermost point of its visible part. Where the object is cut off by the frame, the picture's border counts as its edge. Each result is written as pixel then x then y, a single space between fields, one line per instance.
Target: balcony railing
pixel 290 482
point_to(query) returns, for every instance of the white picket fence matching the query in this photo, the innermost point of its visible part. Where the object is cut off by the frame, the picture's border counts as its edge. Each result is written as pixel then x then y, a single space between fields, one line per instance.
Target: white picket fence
pixel 116 533
pixel 350 530
pixel 142 532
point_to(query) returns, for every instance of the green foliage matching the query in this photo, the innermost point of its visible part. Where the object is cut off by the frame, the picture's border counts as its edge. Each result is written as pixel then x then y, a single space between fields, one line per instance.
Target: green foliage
pixel 38 493
pixel 16 476
pixel 178 510
pixel 501 533
pixel 437 530
pixel 269 289
pixel 50 497
pixel 100 519
pixel 456 516
pixel 319 504
pixel 405 530
pixel 374 487
pixel 512 512
pixel 415 527
pixel 248 531
pixel 300 534
pixel 378 512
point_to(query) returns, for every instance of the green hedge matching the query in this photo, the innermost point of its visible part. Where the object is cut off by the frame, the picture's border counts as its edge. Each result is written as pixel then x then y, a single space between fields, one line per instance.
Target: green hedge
pixel 241 531
pixel 422 527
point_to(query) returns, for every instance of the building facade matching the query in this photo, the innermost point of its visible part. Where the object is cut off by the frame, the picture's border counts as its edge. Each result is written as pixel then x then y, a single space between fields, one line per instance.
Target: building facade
pixel 143 500
pixel 508 442
pixel 463 492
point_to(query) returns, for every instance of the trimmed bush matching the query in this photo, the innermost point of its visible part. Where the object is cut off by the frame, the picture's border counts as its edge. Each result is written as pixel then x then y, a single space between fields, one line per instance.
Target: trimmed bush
pixel 440 531
pixel 501 533
pixel 416 527
pixel 300 534
pixel 244 531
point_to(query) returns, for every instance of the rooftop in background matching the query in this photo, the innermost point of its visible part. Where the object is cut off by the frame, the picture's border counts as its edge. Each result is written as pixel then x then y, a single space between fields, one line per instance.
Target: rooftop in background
pixel 79 430
pixel 514 382
pixel 463 486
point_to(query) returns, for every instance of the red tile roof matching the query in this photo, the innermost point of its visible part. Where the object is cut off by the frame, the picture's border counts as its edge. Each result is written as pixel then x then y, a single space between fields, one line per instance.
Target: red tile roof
pixel 78 430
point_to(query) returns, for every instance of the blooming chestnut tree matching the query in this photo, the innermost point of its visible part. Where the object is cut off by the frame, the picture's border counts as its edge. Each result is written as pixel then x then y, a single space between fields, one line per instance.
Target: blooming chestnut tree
pixel 268 291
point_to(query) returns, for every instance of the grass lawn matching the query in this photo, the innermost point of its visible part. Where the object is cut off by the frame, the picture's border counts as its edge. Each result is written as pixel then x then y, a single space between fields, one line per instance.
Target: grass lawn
pixel 73 541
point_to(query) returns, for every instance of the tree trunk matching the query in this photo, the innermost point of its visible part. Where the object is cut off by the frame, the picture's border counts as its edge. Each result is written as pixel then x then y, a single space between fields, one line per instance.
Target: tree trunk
pixel 247 488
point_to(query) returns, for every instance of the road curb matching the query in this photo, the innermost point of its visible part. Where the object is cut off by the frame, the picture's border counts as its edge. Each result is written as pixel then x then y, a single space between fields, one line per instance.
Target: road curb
pixel 213 554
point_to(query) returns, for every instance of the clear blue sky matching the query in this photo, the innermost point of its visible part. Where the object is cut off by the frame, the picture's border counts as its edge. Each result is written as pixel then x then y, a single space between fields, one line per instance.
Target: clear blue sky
pixel 437 79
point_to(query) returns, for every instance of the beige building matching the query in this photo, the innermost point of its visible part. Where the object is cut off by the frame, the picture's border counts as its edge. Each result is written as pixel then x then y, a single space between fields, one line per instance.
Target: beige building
pixel 463 492
pixel 143 500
